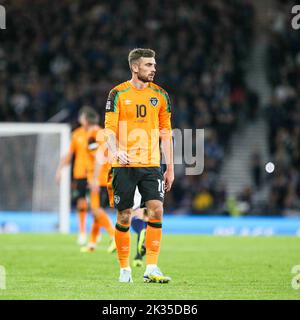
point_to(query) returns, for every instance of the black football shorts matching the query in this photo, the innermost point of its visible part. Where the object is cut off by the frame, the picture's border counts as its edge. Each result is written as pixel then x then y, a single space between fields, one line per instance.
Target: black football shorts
pixel 81 188
pixel 149 181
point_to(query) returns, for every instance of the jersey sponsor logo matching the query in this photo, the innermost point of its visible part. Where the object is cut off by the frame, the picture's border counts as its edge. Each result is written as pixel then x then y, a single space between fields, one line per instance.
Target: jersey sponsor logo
pixel 154 101
pixel 117 199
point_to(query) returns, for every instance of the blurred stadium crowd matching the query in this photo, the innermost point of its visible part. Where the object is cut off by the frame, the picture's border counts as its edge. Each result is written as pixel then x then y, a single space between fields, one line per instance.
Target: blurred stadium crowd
pixel 283 111
pixel 55 58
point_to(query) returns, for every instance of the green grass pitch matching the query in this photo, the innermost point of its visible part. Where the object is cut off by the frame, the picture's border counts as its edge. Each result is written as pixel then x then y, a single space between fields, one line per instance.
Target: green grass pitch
pixel 50 266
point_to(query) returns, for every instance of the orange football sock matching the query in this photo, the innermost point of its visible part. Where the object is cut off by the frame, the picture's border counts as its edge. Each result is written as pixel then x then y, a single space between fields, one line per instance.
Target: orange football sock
pixel 122 238
pixel 152 241
pixel 94 232
pixel 105 222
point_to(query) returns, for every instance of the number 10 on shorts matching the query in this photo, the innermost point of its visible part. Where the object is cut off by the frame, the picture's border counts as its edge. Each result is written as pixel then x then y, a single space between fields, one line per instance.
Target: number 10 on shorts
pixel 161 187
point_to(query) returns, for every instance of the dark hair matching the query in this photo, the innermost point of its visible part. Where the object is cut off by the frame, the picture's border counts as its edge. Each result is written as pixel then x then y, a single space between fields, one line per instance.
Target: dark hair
pixel 138 53
pixel 90 114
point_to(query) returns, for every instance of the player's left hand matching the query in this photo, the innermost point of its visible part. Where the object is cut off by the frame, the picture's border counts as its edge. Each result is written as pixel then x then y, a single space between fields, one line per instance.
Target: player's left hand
pixel 169 178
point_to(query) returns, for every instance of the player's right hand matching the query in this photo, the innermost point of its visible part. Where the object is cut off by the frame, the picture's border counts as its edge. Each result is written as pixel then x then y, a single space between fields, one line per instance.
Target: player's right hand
pixel 169 179
pixel 122 157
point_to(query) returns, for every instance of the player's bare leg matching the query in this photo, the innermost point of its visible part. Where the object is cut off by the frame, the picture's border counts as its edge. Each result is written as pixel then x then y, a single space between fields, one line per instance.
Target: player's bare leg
pixel 153 240
pixel 122 238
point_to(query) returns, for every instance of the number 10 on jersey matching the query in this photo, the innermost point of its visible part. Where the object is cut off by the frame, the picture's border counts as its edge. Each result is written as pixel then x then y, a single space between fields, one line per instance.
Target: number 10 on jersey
pixel 141 111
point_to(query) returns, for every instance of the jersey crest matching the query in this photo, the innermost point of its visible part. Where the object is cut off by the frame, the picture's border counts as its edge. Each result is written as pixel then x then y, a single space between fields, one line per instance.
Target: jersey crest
pixel 154 101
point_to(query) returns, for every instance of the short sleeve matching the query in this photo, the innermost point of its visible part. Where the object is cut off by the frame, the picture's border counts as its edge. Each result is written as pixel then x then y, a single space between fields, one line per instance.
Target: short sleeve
pixel 112 111
pixel 165 128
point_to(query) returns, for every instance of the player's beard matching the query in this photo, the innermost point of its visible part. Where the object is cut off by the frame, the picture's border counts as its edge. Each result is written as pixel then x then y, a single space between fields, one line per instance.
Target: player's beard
pixel 144 78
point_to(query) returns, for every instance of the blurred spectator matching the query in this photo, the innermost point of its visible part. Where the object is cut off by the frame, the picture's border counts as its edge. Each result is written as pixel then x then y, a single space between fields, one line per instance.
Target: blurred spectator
pixel 283 112
pixel 245 200
pixel 256 169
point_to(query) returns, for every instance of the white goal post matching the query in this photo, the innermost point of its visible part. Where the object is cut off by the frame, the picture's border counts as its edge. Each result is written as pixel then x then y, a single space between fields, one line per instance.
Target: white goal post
pixel 44 144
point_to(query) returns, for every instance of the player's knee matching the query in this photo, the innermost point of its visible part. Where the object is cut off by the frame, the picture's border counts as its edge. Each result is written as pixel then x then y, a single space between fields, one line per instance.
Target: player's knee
pixel 82 204
pixel 124 216
pixel 156 212
pixel 95 212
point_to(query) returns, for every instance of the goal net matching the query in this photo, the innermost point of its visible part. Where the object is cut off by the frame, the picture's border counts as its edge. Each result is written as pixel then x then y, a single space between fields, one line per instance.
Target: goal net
pixel 29 156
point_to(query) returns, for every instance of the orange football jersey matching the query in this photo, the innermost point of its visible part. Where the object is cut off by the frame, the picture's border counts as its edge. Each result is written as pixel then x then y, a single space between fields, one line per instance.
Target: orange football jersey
pixel 139 118
pixel 93 146
pixel 78 147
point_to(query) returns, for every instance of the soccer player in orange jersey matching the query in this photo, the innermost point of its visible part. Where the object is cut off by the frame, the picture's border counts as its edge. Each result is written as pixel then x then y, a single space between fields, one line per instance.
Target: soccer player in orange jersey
pixel 138 115
pixel 78 148
pixel 97 179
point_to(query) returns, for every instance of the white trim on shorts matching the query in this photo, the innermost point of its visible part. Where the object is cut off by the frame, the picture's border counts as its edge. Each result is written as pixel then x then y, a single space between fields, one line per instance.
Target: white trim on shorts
pixel 137 199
